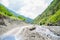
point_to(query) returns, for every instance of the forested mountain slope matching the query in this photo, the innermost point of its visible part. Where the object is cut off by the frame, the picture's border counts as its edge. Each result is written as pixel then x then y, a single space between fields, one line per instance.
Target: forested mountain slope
pixel 9 13
pixel 6 12
pixel 51 16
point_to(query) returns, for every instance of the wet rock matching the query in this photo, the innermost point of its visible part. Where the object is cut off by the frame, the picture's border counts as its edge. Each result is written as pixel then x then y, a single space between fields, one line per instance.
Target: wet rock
pixel 2 20
pixel 38 33
pixel 54 29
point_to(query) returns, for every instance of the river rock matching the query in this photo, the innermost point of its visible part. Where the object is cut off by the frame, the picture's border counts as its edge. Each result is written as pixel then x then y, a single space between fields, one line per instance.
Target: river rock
pixel 28 31
pixel 38 33
pixel 55 29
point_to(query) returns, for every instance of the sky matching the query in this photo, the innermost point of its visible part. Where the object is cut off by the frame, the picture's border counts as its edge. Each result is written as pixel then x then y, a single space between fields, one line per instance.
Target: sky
pixel 27 8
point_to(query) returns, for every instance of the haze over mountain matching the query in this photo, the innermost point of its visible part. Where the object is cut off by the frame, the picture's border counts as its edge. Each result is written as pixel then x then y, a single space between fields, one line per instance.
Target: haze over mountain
pixel 10 13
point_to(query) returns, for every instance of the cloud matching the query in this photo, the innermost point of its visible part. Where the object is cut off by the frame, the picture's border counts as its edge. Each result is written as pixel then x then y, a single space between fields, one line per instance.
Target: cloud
pixel 5 2
pixel 15 4
pixel 28 8
pixel 32 8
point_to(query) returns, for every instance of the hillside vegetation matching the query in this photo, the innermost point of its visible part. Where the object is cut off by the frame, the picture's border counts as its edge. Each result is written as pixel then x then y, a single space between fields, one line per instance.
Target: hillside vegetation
pixel 6 12
pixel 51 16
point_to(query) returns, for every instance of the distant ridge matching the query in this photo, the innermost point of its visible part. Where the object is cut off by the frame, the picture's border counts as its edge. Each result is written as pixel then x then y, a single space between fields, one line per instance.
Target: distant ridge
pixel 7 12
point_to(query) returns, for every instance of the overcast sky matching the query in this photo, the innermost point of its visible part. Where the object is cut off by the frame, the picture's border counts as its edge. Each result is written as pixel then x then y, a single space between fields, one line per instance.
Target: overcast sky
pixel 28 8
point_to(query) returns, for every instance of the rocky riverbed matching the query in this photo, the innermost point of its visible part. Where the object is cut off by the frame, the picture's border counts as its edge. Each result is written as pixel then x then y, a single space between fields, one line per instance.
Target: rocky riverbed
pixel 12 29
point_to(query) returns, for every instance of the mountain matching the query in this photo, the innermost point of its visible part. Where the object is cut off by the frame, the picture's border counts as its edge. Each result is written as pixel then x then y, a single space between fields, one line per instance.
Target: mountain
pixel 28 20
pixel 51 16
pixel 7 12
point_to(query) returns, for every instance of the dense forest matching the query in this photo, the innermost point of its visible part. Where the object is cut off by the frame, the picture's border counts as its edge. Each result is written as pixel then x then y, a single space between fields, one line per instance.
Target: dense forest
pixel 51 16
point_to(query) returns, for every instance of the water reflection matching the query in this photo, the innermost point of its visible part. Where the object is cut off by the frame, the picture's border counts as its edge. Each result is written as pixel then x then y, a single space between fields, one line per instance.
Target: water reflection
pixel 10 37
